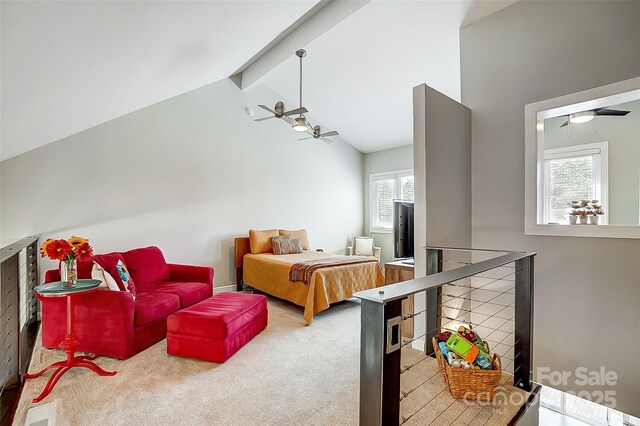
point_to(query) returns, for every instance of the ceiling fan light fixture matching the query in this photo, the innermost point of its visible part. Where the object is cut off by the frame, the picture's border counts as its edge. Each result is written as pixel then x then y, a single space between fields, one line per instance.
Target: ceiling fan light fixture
pixel 300 125
pixel 582 117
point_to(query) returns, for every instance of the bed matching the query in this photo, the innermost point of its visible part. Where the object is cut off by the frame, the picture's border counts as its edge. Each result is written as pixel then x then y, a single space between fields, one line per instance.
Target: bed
pixel 269 273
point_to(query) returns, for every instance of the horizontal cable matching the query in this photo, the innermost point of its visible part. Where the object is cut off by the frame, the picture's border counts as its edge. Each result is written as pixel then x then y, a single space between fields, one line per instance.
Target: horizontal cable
pixel 478 324
pixel 472 311
pixel 457 261
pixel 477 287
pixel 408 316
pixel 409 367
pixel 405 419
pixel 406 342
pixel 404 394
pixel 472 325
pixel 471 289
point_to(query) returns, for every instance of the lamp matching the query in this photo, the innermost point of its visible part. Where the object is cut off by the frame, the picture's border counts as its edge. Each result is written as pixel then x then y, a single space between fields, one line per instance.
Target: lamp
pixel 582 117
pixel 300 124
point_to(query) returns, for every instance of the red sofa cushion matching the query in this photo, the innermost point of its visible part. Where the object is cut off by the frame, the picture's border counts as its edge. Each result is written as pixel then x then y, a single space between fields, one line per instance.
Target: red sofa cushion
pixel 189 293
pixel 84 268
pixel 149 307
pixel 146 265
pixel 219 316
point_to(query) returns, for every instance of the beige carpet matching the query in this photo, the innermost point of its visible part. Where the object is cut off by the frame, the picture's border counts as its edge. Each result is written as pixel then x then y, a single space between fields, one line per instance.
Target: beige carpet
pixel 289 374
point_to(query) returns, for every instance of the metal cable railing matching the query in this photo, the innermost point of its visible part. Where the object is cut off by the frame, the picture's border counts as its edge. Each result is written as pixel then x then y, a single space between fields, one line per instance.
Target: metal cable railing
pixel 489 291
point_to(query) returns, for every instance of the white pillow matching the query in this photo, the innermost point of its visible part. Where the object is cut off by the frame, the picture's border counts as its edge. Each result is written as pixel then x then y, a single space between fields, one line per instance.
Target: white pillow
pixel 363 246
pixel 97 273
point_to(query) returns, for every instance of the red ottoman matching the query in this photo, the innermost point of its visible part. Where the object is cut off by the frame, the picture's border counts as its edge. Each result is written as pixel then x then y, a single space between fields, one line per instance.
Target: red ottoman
pixel 216 328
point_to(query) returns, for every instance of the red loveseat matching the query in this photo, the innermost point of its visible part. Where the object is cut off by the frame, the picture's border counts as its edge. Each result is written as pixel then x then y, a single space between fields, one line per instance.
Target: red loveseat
pixel 113 323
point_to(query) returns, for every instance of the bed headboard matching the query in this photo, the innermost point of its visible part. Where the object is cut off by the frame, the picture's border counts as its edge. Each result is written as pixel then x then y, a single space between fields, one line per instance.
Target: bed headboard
pixel 241 247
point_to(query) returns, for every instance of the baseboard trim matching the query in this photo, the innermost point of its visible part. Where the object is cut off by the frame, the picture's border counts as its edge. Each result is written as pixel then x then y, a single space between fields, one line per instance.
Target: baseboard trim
pixel 224 289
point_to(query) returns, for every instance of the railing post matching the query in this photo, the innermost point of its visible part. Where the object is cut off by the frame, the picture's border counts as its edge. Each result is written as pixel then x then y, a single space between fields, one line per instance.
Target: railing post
pixel 523 348
pixel 380 342
pixel 433 296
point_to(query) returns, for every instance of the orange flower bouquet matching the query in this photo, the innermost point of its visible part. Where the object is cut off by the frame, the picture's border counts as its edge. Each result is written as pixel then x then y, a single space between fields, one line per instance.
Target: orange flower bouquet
pixel 67 252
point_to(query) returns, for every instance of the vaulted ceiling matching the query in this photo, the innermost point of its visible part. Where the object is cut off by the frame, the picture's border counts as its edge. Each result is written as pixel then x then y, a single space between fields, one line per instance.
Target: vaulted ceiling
pixel 69 66
pixel 359 75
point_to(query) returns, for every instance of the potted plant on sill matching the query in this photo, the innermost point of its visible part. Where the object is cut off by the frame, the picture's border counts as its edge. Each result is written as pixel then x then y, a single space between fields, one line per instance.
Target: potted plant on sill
pixel 575 212
pixel 583 214
pixel 595 211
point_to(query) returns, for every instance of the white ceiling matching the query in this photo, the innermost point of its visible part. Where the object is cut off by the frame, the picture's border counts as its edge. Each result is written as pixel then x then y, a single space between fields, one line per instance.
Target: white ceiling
pixel 359 75
pixel 69 66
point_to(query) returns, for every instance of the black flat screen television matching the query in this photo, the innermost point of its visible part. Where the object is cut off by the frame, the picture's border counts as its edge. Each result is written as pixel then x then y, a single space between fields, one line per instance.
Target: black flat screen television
pixel 403 229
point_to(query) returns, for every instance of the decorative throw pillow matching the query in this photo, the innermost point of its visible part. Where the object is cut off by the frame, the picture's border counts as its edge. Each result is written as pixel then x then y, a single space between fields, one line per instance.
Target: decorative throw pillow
pixel 125 276
pixel 300 235
pixel 284 244
pixel 260 241
pixel 108 263
pixel 363 246
pixel 98 273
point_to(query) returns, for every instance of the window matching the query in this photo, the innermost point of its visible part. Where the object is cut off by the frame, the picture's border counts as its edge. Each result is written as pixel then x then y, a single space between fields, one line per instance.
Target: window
pixel 386 187
pixel 574 173
pixel 581 407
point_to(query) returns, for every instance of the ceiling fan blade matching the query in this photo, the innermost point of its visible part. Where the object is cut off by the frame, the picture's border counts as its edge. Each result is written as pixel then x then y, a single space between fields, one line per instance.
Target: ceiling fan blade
pixel 612 112
pixel 268 109
pixel 262 119
pixel 326 140
pixel 304 139
pixel 332 133
pixel 296 111
pixel 565 123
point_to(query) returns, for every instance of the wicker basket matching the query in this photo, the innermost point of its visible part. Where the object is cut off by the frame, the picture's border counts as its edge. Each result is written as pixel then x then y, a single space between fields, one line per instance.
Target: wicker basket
pixel 470 383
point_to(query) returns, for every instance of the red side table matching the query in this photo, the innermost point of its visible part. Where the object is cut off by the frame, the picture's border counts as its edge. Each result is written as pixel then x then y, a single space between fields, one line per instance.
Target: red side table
pixel 69 344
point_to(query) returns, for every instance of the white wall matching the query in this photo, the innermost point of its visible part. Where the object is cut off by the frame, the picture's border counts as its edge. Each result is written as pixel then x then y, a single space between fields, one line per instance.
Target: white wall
pixel 188 174
pixel 442 171
pixel 388 160
pixel 587 290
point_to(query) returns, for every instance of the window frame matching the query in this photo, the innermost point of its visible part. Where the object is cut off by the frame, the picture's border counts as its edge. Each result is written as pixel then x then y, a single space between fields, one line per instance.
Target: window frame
pixel 600 153
pixel 396 175
pixel 534 116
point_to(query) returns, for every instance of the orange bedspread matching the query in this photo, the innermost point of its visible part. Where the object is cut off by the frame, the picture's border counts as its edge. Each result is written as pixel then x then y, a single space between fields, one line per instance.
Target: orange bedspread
pixel 270 273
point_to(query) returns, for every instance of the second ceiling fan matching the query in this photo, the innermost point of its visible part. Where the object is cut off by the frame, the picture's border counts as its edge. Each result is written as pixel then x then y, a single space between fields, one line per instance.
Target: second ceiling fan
pixel 317 134
pixel 585 116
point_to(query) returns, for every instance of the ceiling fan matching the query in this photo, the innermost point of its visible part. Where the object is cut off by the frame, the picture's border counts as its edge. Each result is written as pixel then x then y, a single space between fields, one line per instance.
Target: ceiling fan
pixel 322 136
pixel 585 116
pixel 299 123
pixel 281 113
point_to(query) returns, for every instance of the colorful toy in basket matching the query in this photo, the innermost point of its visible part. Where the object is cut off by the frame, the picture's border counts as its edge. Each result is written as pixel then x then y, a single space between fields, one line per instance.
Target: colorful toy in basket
pixel 483 362
pixel 443 337
pixel 470 335
pixel 463 348
pixel 468 346
pixel 470 371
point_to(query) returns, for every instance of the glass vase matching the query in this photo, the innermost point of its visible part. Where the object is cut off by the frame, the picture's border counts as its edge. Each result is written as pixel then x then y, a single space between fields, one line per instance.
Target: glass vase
pixel 69 273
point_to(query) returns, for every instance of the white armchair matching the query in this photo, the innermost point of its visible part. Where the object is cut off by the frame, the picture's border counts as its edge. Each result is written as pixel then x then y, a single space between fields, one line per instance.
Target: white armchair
pixel 361 245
